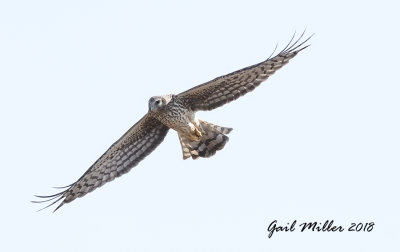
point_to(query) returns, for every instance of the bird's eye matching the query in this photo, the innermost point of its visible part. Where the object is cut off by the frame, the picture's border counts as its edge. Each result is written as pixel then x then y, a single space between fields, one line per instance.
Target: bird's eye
pixel 158 102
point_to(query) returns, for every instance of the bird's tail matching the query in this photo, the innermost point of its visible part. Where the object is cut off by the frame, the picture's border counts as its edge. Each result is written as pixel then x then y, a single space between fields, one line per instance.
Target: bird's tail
pixel 213 139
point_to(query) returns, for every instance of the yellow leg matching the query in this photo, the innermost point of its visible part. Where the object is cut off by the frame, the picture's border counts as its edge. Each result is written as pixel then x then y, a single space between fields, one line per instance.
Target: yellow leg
pixel 196 135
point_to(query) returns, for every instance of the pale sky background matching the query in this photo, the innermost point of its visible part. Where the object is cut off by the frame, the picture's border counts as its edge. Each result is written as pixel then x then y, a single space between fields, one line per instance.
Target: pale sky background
pixel 318 141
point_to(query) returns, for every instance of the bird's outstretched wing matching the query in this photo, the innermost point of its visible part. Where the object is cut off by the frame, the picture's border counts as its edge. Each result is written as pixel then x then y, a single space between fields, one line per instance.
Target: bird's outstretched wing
pixel 138 142
pixel 227 88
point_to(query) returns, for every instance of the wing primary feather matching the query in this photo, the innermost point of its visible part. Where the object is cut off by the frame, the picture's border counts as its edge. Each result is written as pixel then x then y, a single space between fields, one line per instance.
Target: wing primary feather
pixel 276 47
pixel 291 49
pixel 50 204
pixel 49 196
pixel 297 41
pixel 56 197
pixel 62 187
pixel 290 42
pixel 42 201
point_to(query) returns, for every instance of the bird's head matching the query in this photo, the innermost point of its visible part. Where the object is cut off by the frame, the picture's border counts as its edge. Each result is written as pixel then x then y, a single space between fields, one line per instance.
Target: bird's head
pixel 157 102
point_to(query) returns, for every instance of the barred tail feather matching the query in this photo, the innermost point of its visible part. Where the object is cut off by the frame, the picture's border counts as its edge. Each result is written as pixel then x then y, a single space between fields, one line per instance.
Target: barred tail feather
pixel 212 140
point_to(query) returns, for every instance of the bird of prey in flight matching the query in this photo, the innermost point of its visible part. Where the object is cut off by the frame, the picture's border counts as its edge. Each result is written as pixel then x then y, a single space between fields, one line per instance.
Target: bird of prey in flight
pixel 198 138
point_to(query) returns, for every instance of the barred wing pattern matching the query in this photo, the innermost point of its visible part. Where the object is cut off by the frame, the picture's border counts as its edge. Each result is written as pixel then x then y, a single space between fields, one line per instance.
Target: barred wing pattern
pixel 138 142
pixel 148 133
pixel 227 88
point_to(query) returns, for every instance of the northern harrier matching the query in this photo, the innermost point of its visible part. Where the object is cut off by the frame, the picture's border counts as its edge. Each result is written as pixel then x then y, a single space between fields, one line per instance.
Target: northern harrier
pixel 198 138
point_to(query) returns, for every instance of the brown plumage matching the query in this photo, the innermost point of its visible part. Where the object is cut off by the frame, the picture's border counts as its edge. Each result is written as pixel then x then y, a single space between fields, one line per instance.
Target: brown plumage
pixel 198 138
